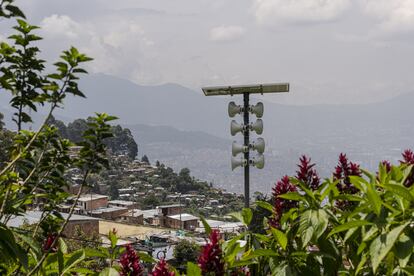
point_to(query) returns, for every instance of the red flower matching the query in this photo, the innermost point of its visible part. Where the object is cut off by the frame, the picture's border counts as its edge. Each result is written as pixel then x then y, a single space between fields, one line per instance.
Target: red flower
pixel 47 245
pixel 387 165
pixel 343 171
pixel 307 174
pixel 408 156
pixel 211 258
pixel 129 262
pixel 282 205
pixel 161 269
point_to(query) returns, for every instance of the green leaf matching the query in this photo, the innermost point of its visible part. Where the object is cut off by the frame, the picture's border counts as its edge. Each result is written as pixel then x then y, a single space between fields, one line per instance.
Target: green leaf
pixel 247 215
pixel 280 237
pixel 9 248
pixel 380 247
pixel 349 225
pixel 207 227
pixel 251 254
pixel 283 269
pixel 193 269
pixel 291 196
pixel 75 258
pixel 113 238
pixel 109 271
pixel 15 11
pixel 312 225
pixel 374 199
pixel 409 270
pixel 403 250
pixel 400 191
pixel 265 205
pixel 146 258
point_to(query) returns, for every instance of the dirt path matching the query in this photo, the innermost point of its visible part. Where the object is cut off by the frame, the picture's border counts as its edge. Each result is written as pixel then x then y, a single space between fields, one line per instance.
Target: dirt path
pixel 125 230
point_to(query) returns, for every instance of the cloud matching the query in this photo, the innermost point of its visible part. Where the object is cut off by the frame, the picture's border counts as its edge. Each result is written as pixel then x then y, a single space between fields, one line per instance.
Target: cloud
pixel 396 16
pixel 226 33
pixel 282 12
pixel 118 49
pixel 61 25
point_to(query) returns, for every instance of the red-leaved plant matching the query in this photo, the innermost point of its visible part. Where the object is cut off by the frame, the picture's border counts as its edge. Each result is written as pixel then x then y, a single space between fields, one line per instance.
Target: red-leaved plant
pixel 307 174
pixel 129 261
pixel 161 269
pixel 281 205
pixel 47 244
pixel 211 260
pixel 408 159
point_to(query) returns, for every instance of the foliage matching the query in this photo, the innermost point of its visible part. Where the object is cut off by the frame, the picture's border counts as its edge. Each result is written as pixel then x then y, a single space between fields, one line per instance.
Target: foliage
pixel 186 251
pixel 314 235
pixel 122 141
pixel 145 159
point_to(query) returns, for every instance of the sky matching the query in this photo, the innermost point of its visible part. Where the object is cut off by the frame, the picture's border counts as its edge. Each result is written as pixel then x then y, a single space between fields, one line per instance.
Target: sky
pixel 330 51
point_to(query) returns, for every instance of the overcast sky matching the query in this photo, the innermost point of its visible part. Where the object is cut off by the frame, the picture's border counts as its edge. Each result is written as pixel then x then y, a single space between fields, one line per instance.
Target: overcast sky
pixel 331 51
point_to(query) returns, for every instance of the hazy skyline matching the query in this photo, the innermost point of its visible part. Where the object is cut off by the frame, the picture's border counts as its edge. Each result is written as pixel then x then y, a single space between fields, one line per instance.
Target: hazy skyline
pixel 331 51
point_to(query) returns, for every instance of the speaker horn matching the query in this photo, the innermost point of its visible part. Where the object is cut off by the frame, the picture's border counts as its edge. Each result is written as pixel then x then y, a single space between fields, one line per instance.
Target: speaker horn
pixel 235 127
pixel 257 126
pixel 258 161
pixel 234 109
pixel 238 162
pixel 236 148
pixel 257 109
pixel 259 145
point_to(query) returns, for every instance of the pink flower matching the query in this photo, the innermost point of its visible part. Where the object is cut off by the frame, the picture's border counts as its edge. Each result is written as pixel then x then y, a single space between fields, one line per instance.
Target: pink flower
pixel 129 262
pixel 307 174
pixel 282 205
pixel 161 269
pixel 211 258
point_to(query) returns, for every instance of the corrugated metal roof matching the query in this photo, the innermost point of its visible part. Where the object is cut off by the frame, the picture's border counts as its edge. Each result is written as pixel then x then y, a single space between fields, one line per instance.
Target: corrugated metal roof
pixel 32 217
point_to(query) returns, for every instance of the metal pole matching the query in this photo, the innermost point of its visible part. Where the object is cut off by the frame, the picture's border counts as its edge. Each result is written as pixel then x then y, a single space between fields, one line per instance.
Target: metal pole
pixel 181 223
pixel 246 154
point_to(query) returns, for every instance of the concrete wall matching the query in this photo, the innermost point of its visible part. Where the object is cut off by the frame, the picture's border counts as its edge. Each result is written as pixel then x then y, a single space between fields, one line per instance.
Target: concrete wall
pixel 89 227
pixel 176 224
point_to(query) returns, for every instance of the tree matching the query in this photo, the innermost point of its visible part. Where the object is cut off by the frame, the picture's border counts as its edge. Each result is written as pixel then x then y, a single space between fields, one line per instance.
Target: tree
pixel 122 142
pixel 1 121
pixel 145 159
pixel 113 191
pixel 186 251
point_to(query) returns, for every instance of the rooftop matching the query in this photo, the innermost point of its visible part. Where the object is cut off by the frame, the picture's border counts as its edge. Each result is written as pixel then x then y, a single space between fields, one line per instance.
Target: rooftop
pixel 89 197
pixel 32 217
pixel 184 217
pixel 168 206
pixel 121 202
pixel 108 210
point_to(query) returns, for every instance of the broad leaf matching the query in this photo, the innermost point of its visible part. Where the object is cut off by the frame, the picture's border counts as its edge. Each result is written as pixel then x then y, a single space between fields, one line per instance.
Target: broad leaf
pixel 207 227
pixel 193 269
pixel 380 247
pixel 280 237
pixel 247 215
pixel 349 225
pixel 109 271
